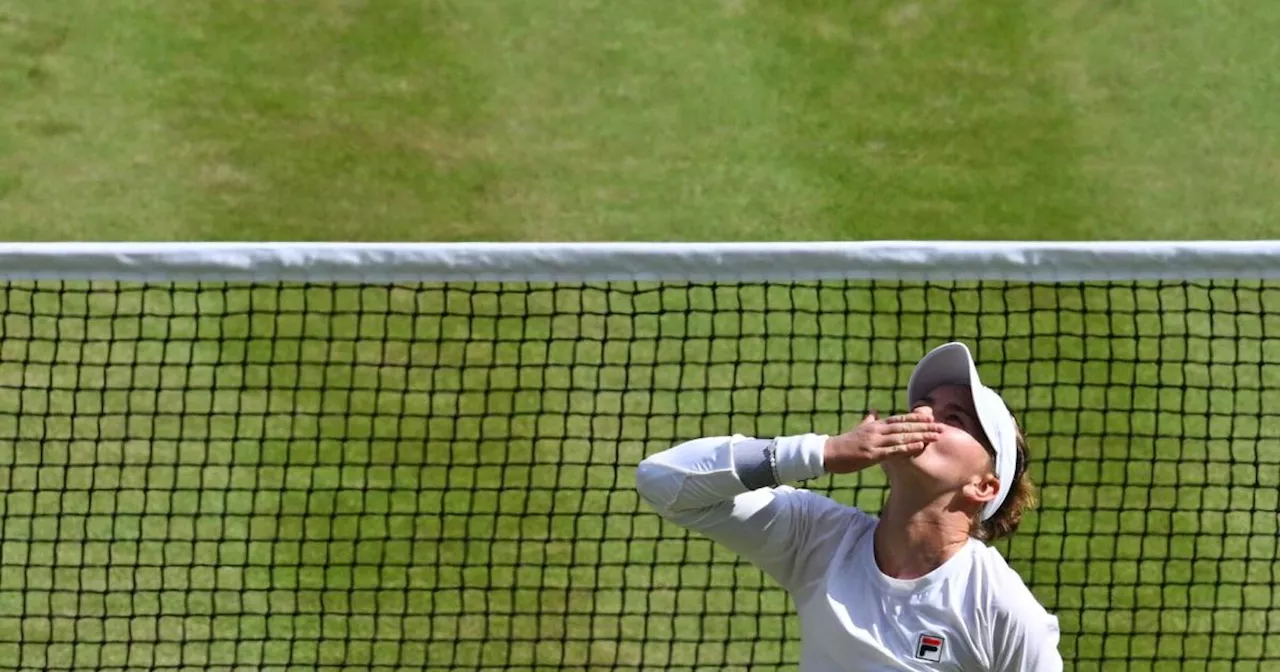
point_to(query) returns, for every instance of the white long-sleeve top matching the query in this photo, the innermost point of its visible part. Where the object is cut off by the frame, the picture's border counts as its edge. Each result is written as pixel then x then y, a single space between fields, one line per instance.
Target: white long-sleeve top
pixel 971 613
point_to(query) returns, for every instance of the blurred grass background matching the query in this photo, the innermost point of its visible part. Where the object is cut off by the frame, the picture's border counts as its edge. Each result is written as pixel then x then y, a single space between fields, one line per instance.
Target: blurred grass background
pixel 636 120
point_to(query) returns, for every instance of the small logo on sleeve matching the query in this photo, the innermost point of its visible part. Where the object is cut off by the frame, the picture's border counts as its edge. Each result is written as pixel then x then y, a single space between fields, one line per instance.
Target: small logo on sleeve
pixel 929 647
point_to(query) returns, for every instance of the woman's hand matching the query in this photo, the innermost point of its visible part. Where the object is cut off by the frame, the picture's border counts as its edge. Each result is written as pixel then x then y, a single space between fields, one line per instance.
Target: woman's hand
pixel 875 440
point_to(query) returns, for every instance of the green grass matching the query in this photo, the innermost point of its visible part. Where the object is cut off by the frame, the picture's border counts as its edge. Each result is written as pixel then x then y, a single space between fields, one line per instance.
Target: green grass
pixel 442 478
pixel 637 120
pixel 167 486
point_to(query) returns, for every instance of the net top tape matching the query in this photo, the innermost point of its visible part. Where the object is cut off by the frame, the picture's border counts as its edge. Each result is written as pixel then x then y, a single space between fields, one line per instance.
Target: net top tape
pixel 642 262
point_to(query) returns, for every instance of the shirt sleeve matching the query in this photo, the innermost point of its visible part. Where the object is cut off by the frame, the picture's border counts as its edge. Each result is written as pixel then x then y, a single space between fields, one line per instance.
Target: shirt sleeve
pixel 699 486
pixel 1030 644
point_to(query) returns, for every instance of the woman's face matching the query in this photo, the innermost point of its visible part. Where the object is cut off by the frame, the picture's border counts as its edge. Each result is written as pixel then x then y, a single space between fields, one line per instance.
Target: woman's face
pixel 959 458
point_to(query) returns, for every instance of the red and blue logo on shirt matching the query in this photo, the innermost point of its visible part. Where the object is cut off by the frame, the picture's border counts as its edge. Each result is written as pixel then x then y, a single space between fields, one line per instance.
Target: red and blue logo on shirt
pixel 929 647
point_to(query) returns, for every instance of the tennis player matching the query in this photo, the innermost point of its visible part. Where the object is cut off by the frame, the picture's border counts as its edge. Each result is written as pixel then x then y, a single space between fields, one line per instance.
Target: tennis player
pixel 913 589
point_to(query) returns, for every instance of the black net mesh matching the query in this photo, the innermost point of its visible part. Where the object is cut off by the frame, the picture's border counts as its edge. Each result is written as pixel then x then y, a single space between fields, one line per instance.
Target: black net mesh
pixel 440 477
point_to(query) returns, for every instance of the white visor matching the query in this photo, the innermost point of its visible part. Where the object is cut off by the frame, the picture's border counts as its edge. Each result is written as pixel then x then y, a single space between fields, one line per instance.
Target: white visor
pixel 951 364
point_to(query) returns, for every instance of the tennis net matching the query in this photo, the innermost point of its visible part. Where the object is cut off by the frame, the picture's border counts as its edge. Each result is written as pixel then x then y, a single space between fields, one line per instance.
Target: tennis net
pixel 421 457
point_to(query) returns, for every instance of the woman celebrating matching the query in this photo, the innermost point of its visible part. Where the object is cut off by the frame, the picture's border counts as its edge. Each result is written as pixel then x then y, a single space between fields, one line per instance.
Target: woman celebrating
pixel 914 589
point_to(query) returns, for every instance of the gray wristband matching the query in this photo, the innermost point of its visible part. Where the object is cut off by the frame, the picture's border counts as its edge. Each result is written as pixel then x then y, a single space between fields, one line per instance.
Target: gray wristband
pixel 756 462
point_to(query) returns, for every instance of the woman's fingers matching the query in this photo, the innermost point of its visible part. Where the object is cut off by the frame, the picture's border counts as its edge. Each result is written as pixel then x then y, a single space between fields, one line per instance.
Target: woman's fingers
pixel 913 428
pixel 895 441
pixel 913 447
pixel 914 416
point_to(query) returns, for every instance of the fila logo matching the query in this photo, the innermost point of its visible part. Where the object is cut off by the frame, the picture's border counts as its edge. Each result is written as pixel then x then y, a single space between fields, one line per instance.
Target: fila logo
pixel 929 647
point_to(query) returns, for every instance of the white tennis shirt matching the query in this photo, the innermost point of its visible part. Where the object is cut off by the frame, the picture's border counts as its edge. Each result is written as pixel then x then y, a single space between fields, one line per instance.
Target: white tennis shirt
pixel 971 613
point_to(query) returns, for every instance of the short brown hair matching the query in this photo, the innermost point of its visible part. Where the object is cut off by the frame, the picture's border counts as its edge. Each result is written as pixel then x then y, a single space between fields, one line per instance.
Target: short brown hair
pixel 1022 498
